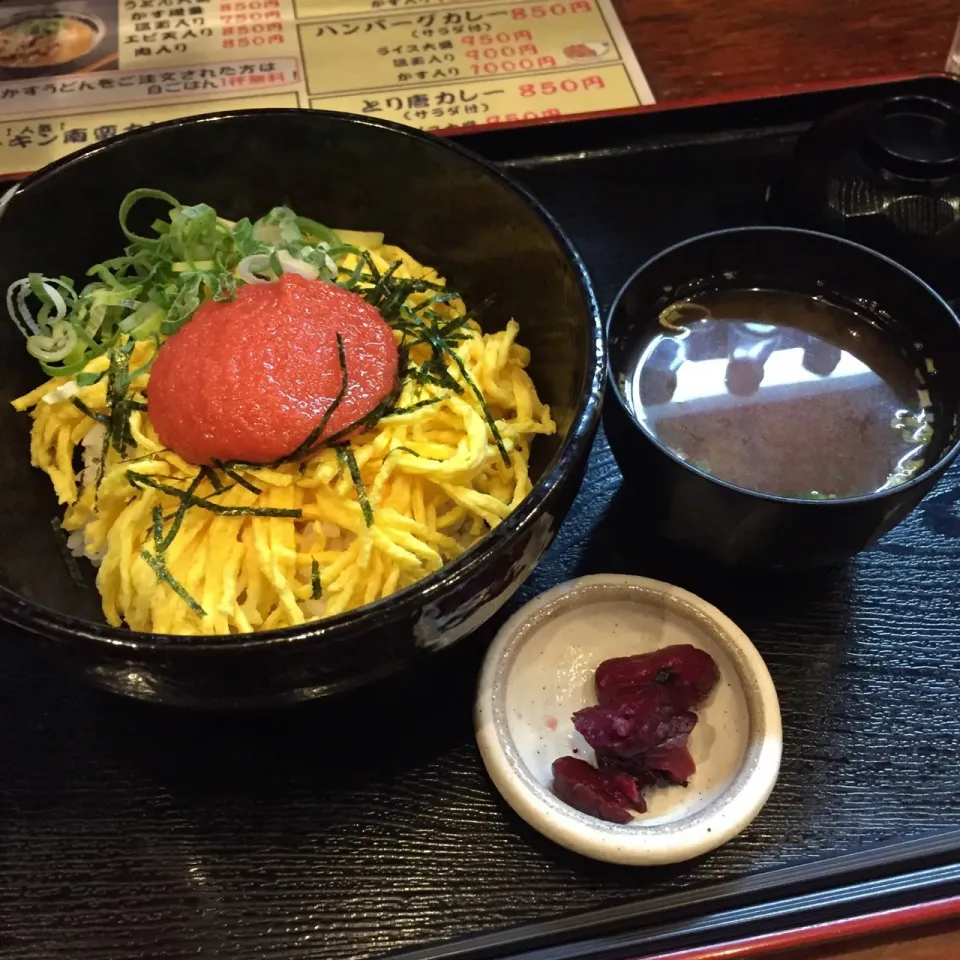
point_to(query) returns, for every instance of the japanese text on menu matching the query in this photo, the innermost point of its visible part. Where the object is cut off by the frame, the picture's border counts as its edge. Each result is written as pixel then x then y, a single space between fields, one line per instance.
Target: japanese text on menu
pixel 79 71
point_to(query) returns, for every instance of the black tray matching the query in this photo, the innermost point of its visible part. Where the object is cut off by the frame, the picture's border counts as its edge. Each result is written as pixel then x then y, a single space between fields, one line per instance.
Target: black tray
pixel 345 831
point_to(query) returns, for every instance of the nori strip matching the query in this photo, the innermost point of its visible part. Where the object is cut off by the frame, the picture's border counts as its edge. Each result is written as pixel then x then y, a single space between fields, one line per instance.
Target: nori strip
pixel 317 431
pixel 345 453
pixel 179 515
pixel 138 479
pixel 159 566
pixel 69 560
pixel 229 470
pixel 87 412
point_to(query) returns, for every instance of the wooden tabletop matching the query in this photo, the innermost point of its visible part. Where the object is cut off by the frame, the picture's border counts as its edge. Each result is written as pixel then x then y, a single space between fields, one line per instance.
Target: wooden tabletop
pixel 706 49
pixel 713 49
pixel 716 49
pixel 694 49
pixel 940 942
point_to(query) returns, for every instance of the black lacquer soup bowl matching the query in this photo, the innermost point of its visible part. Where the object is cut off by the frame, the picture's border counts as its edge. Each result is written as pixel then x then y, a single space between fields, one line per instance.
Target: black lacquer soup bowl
pixel 746 529
pixel 451 210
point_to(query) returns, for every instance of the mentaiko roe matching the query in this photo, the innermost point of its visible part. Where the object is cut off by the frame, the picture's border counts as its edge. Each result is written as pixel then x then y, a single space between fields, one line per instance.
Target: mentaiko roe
pixel 250 378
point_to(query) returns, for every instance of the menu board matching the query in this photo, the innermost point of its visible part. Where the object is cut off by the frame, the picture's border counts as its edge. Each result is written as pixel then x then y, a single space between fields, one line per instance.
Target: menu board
pixel 74 72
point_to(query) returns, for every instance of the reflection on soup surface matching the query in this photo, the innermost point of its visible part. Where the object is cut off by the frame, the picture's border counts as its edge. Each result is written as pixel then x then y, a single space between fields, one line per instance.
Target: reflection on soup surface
pixel 783 393
pixel 45 41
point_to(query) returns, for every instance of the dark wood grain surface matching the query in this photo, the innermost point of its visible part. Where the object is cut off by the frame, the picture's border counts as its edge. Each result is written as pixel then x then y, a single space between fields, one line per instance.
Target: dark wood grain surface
pixel 693 49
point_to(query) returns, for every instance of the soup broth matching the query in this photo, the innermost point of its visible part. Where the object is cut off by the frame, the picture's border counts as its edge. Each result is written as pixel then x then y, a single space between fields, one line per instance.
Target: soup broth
pixel 783 393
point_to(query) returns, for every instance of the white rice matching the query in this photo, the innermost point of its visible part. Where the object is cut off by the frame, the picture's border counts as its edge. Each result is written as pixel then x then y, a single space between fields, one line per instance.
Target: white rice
pixel 92 449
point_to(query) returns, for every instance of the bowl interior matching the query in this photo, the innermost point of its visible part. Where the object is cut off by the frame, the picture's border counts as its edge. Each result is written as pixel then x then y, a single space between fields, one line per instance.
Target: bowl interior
pixel 918 320
pixel 448 209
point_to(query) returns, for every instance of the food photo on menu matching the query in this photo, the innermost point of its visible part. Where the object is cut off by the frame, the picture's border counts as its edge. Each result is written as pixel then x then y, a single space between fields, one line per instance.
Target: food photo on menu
pixel 405 519
pixel 57 38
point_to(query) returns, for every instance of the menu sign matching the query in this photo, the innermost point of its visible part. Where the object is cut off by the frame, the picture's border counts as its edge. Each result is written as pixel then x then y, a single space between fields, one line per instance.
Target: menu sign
pixel 74 72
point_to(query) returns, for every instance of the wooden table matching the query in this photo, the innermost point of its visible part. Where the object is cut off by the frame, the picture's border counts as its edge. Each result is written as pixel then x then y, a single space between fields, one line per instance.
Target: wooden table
pixel 933 943
pixel 710 49
pixel 906 933
pixel 717 49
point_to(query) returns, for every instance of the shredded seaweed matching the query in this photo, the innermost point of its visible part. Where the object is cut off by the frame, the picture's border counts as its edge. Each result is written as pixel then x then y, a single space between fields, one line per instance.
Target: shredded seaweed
pixel 119 435
pixel 317 591
pixel 163 575
pixel 346 455
pixel 146 456
pixel 181 512
pixel 361 423
pixel 211 475
pixel 191 500
pixel 491 422
pixel 236 477
pixel 311 439
pixel 429 402
pixel 159 566
pixel 69 560
pixel 87 412
pixel 389 294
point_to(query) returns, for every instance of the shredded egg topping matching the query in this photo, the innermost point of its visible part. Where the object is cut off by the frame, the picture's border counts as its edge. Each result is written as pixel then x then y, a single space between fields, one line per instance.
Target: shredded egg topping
pixel 434 478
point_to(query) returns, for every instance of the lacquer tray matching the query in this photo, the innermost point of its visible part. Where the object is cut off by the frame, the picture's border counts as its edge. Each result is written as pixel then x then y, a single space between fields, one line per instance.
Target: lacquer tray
pixel 347 831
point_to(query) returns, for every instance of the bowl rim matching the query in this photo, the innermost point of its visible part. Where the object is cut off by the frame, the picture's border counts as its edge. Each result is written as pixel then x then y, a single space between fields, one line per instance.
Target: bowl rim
pixel 37 618
pixel 923 477
pixel 635 844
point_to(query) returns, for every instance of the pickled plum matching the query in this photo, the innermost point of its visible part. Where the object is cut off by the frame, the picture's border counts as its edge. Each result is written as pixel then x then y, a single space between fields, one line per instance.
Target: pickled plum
pixel 638 730
pixel 607 794
pixel 669 765
pixel 687 671
pixel 635 724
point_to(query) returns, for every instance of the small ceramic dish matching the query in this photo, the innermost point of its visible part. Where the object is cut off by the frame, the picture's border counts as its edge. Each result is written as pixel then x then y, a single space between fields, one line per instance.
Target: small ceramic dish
pixel 540 669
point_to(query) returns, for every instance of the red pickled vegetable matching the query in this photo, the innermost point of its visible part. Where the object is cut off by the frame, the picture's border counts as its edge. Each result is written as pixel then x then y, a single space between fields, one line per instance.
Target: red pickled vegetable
pixel 637 723
pixel 607 794
pixel 670 764
pixel 249 379
pixel 638 730
pixel 689 672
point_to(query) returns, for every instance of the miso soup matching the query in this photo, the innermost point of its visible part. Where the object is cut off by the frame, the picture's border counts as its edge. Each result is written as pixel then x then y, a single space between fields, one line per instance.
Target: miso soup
pixel 784 394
